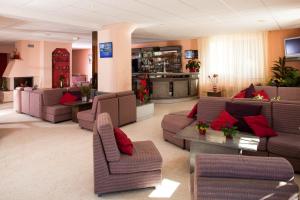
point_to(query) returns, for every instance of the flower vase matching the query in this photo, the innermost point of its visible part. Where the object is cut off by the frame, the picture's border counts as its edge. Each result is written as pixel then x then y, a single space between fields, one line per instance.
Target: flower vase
pixel 202 131
pixel 215 89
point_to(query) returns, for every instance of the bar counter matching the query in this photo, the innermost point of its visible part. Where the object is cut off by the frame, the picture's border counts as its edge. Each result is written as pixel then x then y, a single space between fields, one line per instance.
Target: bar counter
pixel 164 85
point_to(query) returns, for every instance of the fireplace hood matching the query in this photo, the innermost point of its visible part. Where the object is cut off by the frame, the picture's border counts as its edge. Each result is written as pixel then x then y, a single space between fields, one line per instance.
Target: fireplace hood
pixel 19 68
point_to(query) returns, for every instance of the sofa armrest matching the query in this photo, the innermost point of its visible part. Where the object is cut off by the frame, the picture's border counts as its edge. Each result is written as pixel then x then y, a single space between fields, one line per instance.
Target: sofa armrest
pixel 243 167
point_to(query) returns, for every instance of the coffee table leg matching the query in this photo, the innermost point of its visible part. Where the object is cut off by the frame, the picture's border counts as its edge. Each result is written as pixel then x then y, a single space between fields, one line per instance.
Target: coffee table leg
pixel 199 147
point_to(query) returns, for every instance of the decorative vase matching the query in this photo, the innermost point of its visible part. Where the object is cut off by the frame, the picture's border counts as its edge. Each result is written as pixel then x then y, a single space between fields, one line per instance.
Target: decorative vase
pixel 84 99
pixel 215 89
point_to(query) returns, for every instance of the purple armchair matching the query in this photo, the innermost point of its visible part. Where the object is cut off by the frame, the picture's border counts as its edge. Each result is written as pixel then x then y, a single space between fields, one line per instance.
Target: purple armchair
pixel 114 171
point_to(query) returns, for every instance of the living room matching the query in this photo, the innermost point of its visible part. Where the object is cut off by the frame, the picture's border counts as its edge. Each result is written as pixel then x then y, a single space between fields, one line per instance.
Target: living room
pixel 150 99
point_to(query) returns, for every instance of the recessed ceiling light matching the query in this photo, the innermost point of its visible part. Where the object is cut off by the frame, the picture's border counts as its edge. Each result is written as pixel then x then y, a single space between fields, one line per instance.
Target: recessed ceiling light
pixel 260 20
pixel 75 38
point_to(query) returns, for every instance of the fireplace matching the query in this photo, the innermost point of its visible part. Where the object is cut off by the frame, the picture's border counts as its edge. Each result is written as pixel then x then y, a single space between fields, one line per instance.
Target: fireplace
pixel 23 82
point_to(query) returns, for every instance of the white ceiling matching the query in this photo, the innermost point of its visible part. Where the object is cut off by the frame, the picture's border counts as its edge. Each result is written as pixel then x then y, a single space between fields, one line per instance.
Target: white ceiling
pixel 156 19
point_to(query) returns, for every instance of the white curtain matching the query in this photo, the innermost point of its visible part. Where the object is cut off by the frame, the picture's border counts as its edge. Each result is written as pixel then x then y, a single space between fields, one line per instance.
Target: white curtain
pixel 238 59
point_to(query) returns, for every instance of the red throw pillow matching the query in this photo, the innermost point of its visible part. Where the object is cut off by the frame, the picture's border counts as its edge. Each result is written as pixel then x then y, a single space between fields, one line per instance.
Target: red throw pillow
pixel 124 143
pixel 193 112
pixel 259 125
pixel 241 94
pixel 67 97
pixel 224 119
pixel 262 93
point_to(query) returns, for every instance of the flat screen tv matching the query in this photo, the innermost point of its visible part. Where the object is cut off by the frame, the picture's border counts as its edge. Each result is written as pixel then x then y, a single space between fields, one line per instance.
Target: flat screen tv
pixel 106 50
pixel 191 54
pixel 292 47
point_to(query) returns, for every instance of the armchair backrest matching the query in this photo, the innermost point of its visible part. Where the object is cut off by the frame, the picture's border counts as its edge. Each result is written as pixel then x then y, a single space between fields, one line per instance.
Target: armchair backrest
pixel 108 103
pixel 105 130
pixel 286 117
pixel 209 108
pixel 52 96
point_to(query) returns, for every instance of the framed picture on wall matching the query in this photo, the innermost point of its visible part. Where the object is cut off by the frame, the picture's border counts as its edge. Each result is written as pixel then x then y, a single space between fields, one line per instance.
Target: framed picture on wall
pixel 106 50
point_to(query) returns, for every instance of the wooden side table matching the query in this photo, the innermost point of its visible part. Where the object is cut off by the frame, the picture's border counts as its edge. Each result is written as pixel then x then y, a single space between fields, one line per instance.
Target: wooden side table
pixel 214 94
pixel 78 106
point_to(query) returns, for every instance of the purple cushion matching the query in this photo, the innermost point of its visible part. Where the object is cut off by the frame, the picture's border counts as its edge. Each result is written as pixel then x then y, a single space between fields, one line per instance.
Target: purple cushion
pixel 249 91
pixel 240 110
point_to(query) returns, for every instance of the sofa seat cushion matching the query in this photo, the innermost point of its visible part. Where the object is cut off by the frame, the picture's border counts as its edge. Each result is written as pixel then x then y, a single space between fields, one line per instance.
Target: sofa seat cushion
pixel 145 158
pixel 57 109
pixel 86 115
pixel 175 123
pixel 182 112
pixel 285 145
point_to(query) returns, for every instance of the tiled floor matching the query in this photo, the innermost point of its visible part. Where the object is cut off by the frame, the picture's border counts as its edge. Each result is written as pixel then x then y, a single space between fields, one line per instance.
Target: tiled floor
pixel 41 161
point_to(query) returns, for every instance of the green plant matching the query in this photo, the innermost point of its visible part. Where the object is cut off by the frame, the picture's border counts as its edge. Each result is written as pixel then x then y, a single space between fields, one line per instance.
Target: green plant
pixel 284 76
pixel 193 64
pixel 85 91
pixel 201 126
pixel 230 131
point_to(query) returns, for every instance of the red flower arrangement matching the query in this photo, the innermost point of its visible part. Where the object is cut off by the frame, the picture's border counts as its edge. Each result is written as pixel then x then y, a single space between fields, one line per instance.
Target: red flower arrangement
pixel 143 91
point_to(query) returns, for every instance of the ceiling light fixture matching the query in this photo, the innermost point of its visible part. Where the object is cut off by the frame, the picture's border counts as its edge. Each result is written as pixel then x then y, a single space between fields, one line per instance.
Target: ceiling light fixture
pixel 75 38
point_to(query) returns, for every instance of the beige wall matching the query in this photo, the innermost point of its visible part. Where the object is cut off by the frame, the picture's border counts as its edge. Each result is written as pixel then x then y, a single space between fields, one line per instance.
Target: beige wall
pixel 80 62
pixel 114 74
pixel 276 45
pixel 190 44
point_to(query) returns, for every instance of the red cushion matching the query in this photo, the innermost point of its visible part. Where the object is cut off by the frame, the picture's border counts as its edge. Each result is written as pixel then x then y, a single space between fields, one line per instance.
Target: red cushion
pixel 124 143
pixel 224 119
pixel 193 112
pixel 66 98
pixel 263 94
pixel 259 125
pixel 241 94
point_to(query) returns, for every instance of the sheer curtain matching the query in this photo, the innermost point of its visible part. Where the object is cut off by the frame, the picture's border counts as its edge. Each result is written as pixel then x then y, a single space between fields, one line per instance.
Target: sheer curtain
pixel 238 59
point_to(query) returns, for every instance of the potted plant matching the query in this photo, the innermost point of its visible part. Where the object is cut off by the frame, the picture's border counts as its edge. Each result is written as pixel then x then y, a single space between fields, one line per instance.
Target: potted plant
pixel 230 131
pixel 61 80
pixel 193 65
pixel 143 92
pixel 85 92
pixel 284 76
pixel 202 127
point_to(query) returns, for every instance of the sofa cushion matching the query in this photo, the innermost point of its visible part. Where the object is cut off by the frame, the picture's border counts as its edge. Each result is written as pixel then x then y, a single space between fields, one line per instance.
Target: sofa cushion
pixel 270 90
pixel 285 145
pixel 259 125
pixel 240 110
pixel 182 112
pixel 175 123
pixel 66 98
pixel 241 94
pixel 57 109
pixel 223 120
pixel 124 143
pixel 193 112
pixel 86 115
pixel 145 157
pixel 249 91
pixel 289 93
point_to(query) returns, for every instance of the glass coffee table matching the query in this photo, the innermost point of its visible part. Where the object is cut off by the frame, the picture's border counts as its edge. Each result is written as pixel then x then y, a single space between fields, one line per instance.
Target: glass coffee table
pixel 216 143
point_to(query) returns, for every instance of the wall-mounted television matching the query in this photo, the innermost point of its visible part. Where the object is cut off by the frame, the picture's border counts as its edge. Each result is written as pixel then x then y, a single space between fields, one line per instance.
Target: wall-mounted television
pixel 292 47
pixel 191 54
pixel 106 50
